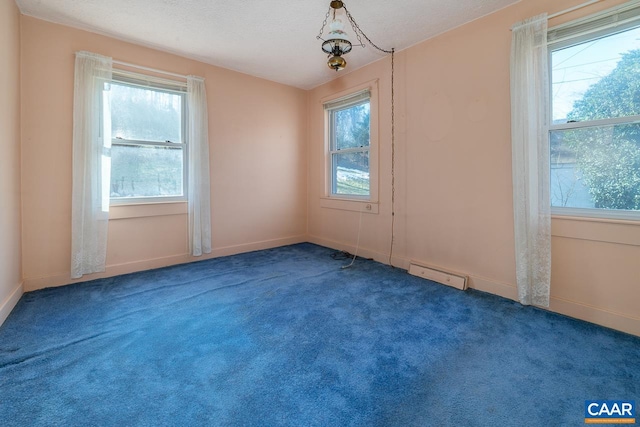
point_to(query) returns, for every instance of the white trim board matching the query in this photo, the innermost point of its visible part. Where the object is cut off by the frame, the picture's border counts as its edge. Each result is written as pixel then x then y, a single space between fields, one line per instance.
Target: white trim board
pixel 62 279
pixel 599 316
pixel 10 302
pixel 618 321
pixel 577 310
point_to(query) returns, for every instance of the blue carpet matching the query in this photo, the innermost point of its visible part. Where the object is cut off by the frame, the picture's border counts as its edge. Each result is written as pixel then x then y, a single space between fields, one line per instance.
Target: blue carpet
pixel 284 337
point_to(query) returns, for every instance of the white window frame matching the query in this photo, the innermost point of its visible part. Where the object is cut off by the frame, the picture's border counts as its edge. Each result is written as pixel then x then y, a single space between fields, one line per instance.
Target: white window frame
pixel 607 23
pixel 128 78
pixel 343 99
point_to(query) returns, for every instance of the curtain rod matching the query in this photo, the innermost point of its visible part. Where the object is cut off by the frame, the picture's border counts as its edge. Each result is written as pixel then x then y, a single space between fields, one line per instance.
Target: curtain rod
pixel 153 70
pixel 571 9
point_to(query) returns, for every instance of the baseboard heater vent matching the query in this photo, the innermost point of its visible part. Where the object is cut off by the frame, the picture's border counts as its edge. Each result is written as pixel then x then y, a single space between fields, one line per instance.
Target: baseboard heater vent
pixel 445 277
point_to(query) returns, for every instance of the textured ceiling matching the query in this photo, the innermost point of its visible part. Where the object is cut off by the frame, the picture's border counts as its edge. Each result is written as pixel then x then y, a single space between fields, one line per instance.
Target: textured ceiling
pixel 275 41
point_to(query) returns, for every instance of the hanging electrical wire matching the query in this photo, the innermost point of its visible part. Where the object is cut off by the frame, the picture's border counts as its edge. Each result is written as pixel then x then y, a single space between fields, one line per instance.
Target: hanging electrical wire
pixel 337 45
pixel 358 31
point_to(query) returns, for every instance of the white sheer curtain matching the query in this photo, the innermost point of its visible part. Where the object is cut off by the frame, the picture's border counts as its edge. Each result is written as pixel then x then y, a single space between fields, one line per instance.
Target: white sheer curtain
pixel 199 180
pixel 91 163
pixel 530 153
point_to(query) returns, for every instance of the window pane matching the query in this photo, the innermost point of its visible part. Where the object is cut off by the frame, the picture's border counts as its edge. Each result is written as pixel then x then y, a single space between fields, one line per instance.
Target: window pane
pixel 596 167
pixel 597 79
pixel 351 173
pixel 146 171
pixel 352 127
pixel 145 114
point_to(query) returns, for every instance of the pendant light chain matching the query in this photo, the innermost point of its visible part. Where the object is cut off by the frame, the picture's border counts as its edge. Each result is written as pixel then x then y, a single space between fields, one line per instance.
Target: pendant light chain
pixel 324 24
pixel 358 31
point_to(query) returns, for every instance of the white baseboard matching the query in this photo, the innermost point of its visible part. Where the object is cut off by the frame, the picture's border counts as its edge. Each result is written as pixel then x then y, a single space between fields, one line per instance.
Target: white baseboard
pixel 573 309
pixel 255 246
pixel 599 316
pixel 492 286
pixel 61 279
pixel 10 302
pixel 383 258
pixel 577 310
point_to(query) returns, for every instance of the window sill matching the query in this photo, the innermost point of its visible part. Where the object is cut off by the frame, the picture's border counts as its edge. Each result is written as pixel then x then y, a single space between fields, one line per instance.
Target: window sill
pixel 355 205
pixel 606 230
pixel 603 215
pixel 142 210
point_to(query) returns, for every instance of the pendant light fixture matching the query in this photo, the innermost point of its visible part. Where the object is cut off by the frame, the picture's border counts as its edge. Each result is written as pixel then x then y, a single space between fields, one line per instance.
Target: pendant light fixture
pixel 338 44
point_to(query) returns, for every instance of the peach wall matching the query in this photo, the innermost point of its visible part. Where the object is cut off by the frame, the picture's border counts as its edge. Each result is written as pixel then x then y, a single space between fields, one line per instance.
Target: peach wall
pixel 10 225
pixel 258 161
pixel 453 169
pixel 453 176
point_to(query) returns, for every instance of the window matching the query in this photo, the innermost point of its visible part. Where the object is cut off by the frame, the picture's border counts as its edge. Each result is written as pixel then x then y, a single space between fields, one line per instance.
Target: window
pixel 148 150
pixel 595 110
pixel 349 146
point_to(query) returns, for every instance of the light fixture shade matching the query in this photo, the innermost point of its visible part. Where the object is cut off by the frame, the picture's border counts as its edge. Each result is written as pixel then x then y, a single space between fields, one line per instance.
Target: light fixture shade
pixel 337 42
